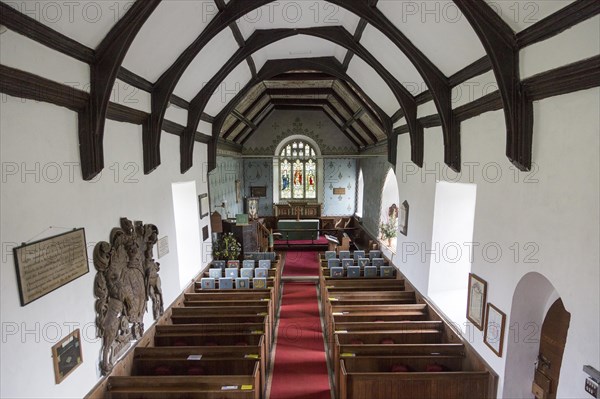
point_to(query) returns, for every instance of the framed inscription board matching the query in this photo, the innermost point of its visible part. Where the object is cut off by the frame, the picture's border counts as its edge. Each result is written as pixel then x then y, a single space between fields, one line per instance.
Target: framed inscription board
pixel 45 265
pixel 66 356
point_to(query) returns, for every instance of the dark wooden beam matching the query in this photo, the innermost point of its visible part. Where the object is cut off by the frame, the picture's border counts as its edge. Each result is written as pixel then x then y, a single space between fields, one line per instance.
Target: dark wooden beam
pixel 29 27
pixel 244 120
pixel 434 78
pixel 300 91
pixel 580 75
pixel 327 65
pixel 234 126
pixel 352 129
pixel 303 76
pixel 103 73
pixel 348 136
pixel 500 43
pixel 558 22
pixel 258 120
pixel 477 68
pixel 163 88
pixel 262 38
pixel 346 107
pixel 360 29
pixel 17 83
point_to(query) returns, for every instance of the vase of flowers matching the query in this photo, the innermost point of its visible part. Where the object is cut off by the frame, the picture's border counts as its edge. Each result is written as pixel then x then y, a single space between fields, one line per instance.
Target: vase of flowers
pixel 389 230
pixel 227 248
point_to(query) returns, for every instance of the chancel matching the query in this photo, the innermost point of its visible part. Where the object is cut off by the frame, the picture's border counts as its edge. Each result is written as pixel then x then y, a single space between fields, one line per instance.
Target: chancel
pixel 345 199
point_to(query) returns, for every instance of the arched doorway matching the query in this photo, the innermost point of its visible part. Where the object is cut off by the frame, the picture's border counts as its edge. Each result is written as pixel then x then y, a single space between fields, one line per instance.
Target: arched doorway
pixel 388 220
pixel 552 346
pixel 538 326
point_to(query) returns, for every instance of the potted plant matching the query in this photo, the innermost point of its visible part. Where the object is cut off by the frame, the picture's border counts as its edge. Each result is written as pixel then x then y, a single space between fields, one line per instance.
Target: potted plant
pixel 227 248
pixel 389 230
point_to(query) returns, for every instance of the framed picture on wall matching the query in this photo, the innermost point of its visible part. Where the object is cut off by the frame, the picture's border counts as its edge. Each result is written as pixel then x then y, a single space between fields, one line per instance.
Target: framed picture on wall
pixel 494 329
pixel 258 191
pixel 203 204
pixel 476 300
pixel 66 356
pixel 403 218
pixel 238 191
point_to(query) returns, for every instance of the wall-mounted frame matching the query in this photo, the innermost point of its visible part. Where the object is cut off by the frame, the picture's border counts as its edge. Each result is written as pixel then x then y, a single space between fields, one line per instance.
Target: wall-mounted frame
pixel 494 329
pixel 258 191
pixel 238 191
pixel 205 233
pixel 339 191
pixel 476 300
pixel 66 356
pixel 204 205
pixel 45 265
pixel 403 218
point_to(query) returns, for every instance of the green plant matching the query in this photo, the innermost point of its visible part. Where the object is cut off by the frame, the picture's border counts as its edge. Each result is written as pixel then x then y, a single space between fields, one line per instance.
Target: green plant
pixel 388 229
pixel 227 248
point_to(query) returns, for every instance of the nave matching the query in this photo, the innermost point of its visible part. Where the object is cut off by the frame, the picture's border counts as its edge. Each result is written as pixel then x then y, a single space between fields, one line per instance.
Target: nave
pixel 310 333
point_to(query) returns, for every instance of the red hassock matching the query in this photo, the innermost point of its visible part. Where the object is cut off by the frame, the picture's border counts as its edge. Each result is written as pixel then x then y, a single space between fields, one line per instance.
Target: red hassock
pixel 300 369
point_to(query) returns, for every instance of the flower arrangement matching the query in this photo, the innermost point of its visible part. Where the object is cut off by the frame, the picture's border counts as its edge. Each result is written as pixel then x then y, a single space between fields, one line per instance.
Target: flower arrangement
pixel 388 229
pixel 227 248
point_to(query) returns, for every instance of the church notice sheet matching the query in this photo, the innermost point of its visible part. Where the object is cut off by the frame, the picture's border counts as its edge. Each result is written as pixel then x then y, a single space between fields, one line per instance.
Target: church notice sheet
pixel 48 264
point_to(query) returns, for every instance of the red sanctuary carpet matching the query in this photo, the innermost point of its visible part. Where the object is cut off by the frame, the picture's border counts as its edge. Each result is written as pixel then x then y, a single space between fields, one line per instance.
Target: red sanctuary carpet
pixel 300 368
pixel 320 241
pixel 301 263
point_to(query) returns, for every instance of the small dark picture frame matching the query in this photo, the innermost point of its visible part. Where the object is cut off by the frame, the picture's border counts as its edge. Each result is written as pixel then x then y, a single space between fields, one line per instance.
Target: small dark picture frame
pixel 258 191
pixel 476 300
pixel 66 356
pixel 494 329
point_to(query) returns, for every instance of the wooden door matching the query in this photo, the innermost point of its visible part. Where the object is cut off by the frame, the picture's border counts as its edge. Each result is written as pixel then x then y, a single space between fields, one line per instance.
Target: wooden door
pixel 552 346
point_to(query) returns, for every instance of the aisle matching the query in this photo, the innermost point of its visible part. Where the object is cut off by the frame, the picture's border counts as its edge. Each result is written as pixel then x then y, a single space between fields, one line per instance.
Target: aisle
pixel 300 365
pixel 300 368
pixel 301 263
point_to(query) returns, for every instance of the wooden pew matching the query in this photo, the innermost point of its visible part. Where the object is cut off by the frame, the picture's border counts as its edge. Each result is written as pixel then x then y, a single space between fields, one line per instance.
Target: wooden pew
pixel 219 340
pixel 364 380
pixel 183 387
pixel 207 352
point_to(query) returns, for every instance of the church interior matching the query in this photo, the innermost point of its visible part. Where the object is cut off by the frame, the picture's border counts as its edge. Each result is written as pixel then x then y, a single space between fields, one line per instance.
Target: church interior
pixel 345 199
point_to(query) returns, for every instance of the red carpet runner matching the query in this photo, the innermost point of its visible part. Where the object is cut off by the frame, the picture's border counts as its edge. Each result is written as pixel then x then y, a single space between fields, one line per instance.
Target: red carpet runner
pixel 301 263
pixel 300 368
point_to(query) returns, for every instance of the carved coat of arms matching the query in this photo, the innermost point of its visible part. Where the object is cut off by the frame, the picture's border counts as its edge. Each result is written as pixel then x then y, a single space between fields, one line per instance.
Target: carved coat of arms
pixel 127 276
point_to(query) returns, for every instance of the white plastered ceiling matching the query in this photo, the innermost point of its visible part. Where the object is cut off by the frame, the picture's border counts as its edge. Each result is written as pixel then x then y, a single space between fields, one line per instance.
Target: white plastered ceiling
pixel 521 14
pixel 296 15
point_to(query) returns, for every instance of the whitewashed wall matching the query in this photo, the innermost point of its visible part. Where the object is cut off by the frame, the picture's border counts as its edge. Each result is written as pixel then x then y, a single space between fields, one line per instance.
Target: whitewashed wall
pixel 43 138
pixel 550 214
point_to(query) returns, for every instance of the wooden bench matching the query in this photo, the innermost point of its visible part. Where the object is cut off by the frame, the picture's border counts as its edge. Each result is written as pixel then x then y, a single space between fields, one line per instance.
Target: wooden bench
pixel 183 387
pixel 363 378
pixel 207 352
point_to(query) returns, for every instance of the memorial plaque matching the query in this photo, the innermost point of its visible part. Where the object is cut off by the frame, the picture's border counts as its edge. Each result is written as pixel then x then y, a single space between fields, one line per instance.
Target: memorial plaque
pixel 339 191
pixel 48 264
pixel 163 246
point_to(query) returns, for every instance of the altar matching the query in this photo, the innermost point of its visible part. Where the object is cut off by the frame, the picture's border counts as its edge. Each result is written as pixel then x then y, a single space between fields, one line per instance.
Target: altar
pixel 303 229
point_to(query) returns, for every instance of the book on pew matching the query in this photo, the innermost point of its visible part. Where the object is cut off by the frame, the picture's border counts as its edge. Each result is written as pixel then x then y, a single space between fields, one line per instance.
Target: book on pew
pixel 215 273
pixel 225 283
pixel 248 263
pixel 207 283
pixel 386 271
pixel 333 263
pixel 231 272
pixel 362 262
pixel 219 263
pixel 247 272
pixel 377 262
pixel 344 254
pixel 259 283
pixel 370 271
pixel 264 263
pixel 375 253
pixel 353 272
pixel 332 239
pixel 242 283
pixel 337 272
pixel 329 255
pixel 359 254
pixel 347 262
pixel 261 272
pixel 233 263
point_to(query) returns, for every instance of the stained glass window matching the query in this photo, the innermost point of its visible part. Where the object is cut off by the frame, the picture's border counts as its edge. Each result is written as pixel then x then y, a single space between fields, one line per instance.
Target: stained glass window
pixel 298 171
